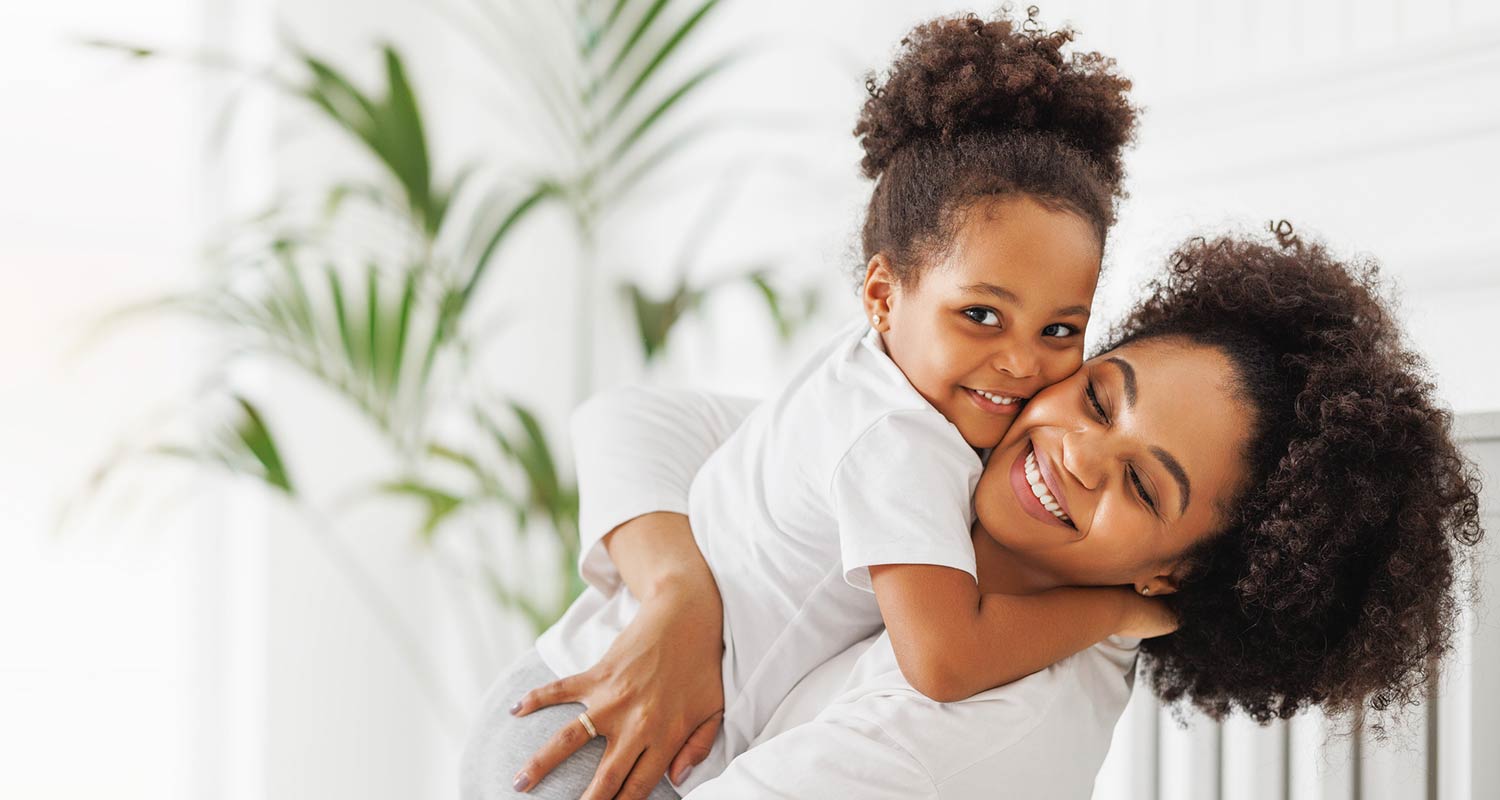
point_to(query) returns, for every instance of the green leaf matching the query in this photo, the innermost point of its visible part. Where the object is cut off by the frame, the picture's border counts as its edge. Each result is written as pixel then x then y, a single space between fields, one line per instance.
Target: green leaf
pixel 541 191
pixel 655 319
pixel 252 433
pixel 647 123
pixel 341 318
pixel 663 52
pixel 642 25
pixel 440 503
pixel 404 141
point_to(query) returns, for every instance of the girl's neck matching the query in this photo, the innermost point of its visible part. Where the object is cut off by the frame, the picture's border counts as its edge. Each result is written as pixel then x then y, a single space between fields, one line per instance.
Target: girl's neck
pixel 1000 572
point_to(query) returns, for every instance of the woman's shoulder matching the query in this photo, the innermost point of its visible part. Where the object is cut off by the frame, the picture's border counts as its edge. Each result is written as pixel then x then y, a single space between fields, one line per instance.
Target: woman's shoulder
pixel 1056 720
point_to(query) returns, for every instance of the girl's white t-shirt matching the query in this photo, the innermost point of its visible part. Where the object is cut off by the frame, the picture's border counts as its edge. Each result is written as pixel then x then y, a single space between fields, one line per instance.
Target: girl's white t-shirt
pixel 846 468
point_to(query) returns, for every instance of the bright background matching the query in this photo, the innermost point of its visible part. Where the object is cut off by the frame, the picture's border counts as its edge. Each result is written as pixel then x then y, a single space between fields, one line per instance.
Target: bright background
pixel 192 639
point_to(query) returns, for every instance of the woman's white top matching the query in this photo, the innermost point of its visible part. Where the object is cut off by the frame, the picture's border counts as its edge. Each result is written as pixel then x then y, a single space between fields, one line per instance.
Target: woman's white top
pixel 853 726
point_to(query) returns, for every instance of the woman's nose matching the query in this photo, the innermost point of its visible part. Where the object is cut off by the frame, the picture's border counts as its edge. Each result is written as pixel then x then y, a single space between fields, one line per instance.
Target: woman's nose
pixel 1083 457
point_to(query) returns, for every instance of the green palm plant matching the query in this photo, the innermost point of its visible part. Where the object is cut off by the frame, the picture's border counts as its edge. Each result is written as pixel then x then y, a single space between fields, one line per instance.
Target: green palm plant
pixel 390 329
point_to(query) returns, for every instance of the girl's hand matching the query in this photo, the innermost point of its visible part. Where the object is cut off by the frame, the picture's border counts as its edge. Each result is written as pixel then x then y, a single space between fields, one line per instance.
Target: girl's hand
pixel 657 697
pixel 1146 617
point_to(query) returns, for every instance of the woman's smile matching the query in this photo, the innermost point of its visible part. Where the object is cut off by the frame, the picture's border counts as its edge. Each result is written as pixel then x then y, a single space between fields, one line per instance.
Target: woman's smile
pixel 1037 489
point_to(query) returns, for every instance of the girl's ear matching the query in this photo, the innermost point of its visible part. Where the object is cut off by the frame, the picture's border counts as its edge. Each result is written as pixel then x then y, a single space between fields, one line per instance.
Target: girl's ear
pixel 879 291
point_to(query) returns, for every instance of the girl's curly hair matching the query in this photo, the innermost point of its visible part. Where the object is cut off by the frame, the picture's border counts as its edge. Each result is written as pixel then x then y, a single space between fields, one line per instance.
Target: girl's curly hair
pixel 1333 580
pixel 977 108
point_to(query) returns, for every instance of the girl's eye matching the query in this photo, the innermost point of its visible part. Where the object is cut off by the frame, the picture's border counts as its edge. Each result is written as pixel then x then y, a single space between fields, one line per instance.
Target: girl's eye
pixel 1088 389
pixel 1140 488
pixel 983 316
pixel 1058 330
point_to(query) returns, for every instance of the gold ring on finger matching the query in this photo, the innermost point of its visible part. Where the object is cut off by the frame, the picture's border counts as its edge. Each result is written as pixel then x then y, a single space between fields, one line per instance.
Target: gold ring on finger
pixel 588 724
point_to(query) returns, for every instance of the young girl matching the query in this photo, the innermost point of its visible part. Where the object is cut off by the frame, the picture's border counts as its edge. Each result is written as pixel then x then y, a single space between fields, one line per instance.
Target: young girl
pixel 997 167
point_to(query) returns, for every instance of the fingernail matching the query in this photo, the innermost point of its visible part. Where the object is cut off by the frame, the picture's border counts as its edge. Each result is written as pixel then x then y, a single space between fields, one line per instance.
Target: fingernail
pixel 682 776
pixel 521 781
pixel 515 708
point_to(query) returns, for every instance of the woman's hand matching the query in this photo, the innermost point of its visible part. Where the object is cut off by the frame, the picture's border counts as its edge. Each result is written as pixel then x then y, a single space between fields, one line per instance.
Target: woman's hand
pixel 657 695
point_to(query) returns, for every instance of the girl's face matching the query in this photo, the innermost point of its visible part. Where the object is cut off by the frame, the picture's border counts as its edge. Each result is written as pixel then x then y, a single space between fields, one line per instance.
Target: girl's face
pixel 999 318
pixel 1138 452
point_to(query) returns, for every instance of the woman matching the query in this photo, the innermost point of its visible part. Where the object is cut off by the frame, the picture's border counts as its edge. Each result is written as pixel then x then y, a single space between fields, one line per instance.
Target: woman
pixel 1303 510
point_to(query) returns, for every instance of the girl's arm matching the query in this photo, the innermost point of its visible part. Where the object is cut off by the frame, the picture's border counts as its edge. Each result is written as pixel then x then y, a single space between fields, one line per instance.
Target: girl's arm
pixel 657 693
pixel 952 642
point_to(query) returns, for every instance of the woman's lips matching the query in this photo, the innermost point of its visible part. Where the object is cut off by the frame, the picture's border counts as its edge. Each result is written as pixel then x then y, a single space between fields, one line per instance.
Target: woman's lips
pixel 1022 488
pixel 1049 477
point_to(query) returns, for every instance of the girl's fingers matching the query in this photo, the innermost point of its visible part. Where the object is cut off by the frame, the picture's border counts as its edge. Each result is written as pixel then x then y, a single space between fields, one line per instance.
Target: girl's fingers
pixel 564 743
pixel 562 690
pixel 645 776
pixel 619 760
pixel 696 748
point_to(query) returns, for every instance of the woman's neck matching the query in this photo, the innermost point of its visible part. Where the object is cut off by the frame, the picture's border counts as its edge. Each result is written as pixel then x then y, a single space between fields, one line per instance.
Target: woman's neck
pixel 1000 572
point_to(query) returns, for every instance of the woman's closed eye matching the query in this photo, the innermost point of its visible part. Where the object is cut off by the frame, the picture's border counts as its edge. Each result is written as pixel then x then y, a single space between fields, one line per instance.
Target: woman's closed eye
pixel 1088 391
pixel 1130 472
pixel 1140 489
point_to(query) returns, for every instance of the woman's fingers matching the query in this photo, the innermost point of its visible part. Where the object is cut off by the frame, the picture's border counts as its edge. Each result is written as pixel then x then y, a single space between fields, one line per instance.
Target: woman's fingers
pixel 619 760
pixel 564 743
pixel 645 776
pixel 562 690
pixel 696 748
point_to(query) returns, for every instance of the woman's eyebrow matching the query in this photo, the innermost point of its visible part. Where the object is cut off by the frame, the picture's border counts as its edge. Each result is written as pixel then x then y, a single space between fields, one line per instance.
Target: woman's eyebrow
pixel 1178 474
pixel 1173 466
pixel 1128 372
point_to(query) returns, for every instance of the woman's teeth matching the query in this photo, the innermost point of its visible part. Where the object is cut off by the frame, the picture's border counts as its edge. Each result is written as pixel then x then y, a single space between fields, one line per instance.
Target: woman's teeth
pixel 1039 488
pixel 997 398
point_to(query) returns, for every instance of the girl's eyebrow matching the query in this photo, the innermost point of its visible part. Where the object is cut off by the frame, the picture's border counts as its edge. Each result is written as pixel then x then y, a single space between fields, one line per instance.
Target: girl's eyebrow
pixel 1172 465
pixel 1011 297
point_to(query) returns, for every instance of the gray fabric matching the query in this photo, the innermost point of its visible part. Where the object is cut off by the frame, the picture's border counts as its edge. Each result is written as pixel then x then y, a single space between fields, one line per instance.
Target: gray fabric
pixel 501 743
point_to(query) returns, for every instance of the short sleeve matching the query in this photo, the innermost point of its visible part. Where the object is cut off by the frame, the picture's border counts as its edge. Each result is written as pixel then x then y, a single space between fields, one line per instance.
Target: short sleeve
pixel 903 494
pixel 637 451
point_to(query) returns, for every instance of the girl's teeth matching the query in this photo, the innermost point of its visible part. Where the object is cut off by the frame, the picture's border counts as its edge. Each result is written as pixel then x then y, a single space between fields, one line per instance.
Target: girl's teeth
pixel 995 398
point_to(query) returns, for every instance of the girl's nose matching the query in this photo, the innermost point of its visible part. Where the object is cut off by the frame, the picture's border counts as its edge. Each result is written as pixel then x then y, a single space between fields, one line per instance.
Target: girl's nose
pixel 1017 362
pixel 1083 456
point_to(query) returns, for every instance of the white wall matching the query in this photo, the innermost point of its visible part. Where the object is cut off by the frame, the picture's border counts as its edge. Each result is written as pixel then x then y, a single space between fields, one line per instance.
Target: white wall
pixel 98 629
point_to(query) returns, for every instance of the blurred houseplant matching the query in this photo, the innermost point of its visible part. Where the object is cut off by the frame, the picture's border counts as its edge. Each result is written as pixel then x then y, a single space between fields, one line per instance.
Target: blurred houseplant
pixel 387 322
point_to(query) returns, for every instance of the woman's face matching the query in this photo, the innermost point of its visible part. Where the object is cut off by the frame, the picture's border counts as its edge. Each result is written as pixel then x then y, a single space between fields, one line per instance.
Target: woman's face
pixel 1137 453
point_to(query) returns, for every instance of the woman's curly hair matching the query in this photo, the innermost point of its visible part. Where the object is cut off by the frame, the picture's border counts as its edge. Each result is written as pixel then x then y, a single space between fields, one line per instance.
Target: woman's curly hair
pixel 976 109
pixel 1334 579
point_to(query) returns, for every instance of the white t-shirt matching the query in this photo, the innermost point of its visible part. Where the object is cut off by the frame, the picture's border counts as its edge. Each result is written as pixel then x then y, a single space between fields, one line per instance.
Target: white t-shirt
pixel 853 726
pixel 846 468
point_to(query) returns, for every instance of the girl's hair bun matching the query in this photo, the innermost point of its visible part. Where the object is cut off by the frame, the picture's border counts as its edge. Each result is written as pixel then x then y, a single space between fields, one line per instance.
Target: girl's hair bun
pixel 959 75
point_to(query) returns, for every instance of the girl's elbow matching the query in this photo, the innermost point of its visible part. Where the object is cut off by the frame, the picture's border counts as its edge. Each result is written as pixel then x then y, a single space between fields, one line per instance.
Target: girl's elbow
pixel 935 682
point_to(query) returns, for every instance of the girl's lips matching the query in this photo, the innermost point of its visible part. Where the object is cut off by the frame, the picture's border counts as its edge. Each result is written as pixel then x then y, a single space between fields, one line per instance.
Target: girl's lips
pixel 990 407
pixel 1027 500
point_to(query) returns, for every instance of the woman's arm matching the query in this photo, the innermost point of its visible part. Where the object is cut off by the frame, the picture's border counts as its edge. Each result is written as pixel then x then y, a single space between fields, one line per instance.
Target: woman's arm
pixel 657 694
